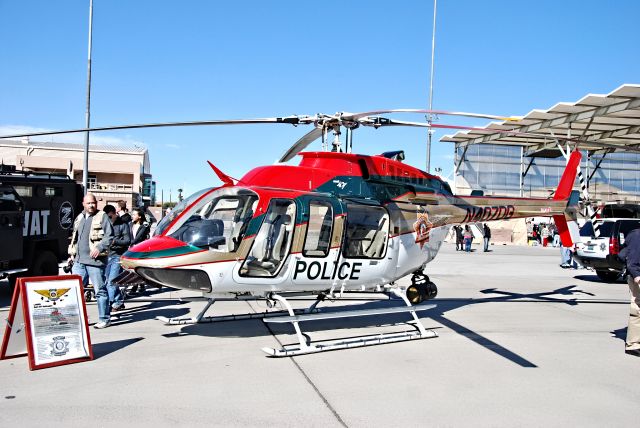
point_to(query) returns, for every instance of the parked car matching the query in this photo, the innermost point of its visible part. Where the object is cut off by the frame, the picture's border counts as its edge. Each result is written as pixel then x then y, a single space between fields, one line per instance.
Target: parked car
pixel 601 252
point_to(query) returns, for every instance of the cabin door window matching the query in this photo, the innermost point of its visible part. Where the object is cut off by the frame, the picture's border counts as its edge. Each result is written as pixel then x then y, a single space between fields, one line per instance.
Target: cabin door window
pixel 366 232
pixel 317 242
pixel 272 243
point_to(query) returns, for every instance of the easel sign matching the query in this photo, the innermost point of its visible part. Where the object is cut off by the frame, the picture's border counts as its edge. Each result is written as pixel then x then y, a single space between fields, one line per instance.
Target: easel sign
pixel 48 322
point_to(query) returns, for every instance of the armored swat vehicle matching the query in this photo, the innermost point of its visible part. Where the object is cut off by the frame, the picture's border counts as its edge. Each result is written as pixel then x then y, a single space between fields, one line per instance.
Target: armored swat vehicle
pixel 36 220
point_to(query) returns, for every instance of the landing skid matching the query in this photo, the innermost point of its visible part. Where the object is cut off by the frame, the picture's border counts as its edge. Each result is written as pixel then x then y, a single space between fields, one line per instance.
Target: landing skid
pixel 201 319
pixel 305 346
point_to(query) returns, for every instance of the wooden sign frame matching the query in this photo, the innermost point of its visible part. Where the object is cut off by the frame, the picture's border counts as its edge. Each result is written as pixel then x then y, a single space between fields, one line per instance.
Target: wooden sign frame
pixel 51 314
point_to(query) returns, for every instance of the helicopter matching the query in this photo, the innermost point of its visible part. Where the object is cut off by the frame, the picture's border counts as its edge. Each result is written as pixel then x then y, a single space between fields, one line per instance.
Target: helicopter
pixel 337 222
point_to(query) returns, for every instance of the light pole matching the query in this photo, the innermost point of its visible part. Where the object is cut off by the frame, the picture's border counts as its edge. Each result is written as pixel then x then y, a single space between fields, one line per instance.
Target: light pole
pixel 85 169
pixel 430 116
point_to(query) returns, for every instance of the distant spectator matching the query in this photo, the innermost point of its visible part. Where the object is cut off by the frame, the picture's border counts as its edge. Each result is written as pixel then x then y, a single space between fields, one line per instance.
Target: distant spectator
pixel 544 233
pixel 487 237
pixel 468 238
pixel 553 230
pixel 123 212
pixel 139 226
pixel 459 237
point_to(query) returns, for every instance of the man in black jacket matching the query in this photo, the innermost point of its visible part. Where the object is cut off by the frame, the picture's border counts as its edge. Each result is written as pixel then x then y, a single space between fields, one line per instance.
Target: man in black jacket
pixel 121 241
pixel 631 255
pixel 459 238
pixel 487 236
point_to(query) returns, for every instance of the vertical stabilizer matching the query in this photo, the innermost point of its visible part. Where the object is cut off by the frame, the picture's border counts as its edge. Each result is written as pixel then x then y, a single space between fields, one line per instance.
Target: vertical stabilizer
pixel 563 192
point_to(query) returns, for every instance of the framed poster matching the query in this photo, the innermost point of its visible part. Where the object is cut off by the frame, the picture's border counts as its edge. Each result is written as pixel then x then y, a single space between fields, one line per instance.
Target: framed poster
pixel 14 342
pixel 54 315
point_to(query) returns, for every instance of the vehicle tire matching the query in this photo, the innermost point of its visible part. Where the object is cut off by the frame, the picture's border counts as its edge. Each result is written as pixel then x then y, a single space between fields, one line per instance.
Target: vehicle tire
pixel 431 290
pixel 45 264
pixel 607 276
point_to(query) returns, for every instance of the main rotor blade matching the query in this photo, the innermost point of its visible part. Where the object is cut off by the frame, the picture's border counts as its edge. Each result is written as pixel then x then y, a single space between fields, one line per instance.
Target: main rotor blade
pixel 378 122
pixel 356 116
pixel 292 120
pixel 301 144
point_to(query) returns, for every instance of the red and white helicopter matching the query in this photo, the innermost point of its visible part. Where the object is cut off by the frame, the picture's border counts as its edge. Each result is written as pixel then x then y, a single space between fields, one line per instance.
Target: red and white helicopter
pixel 337 222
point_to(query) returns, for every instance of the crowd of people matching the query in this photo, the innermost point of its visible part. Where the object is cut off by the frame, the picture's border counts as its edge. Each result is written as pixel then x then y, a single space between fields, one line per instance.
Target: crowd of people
pixel 99 239
pixel 464 237
pixel 543 234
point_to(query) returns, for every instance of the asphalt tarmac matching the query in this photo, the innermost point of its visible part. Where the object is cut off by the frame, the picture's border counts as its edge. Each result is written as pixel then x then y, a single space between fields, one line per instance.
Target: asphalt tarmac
pixel 521 342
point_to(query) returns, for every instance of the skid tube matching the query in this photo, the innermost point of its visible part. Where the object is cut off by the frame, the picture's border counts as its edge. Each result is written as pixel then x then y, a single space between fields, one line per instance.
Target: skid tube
pixel 201 319
pixel 305 346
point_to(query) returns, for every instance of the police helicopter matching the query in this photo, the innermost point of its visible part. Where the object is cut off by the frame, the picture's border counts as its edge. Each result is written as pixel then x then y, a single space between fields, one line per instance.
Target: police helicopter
pixel 337 222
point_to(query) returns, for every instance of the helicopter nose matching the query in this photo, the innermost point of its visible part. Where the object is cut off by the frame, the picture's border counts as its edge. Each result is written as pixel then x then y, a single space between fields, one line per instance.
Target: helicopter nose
pixel 154 259
pixel 159 246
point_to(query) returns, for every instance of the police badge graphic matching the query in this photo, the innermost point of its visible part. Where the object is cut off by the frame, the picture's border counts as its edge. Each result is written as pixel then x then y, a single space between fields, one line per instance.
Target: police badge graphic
pixel 59 346
pixel 422 227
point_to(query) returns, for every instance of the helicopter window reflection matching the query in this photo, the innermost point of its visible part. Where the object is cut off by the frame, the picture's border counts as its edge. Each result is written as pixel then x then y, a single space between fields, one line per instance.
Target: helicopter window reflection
pixel 366 232
pixel 318 239
pixel 273 241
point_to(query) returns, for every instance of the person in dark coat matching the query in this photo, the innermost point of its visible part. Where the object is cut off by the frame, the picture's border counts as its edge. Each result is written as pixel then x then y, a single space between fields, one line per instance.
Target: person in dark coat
pixel 487 237
pixel 123 212
pixel 459 238
pixel 120 244
pixel 139 226
pixel 139 229
pixel 631 255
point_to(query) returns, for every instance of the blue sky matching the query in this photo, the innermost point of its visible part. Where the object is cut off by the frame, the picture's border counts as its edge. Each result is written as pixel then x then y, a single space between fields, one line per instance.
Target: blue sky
pixel 160 60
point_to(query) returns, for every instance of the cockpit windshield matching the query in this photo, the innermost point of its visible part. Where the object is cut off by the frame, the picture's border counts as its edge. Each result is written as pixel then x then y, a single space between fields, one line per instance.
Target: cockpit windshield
pixel 177 210
pixel 218 221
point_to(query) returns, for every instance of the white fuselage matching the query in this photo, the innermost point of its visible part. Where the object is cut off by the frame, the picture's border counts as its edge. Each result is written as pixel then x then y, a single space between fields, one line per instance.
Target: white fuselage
pixel 333 272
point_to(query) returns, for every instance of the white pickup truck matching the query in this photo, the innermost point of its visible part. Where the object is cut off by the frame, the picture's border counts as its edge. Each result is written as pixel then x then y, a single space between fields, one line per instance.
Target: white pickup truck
pixel 601 252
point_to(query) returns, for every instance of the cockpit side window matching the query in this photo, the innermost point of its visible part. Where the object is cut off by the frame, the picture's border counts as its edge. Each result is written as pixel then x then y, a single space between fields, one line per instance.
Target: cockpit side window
pixel 272 243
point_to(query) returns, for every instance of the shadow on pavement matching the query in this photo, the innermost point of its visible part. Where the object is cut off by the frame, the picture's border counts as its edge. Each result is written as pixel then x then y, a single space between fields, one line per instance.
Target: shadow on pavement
pixel 149 311
pixel 620 333
pixel 594 278
pixel 105 348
